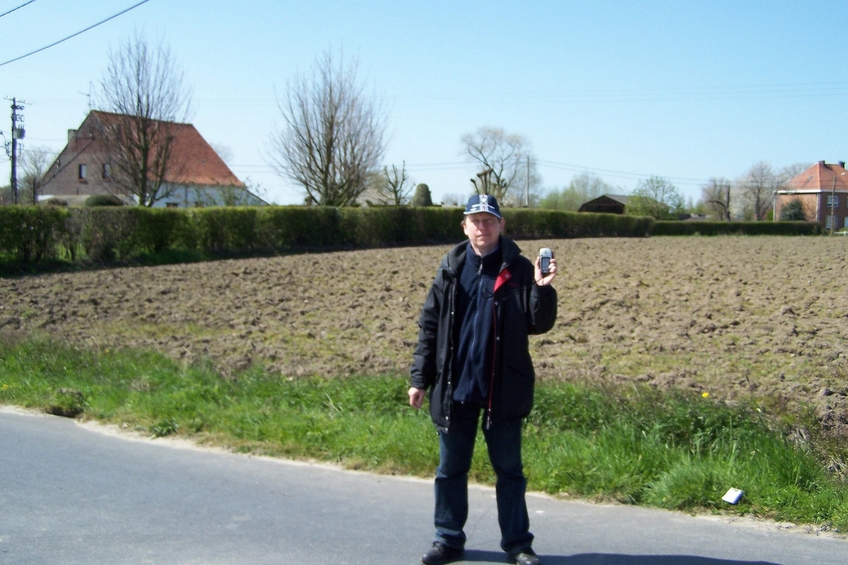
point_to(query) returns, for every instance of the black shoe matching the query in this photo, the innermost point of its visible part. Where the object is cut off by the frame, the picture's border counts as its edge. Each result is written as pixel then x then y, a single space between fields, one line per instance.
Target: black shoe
pixel 440 554
pixel 525 557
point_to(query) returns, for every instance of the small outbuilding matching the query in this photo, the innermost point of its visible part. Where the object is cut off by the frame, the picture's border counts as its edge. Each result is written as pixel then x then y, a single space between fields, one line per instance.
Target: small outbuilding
pixel 606 204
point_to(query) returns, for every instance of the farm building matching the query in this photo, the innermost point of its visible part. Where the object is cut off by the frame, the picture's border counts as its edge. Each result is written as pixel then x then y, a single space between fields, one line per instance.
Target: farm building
pixel 822 191
pixel 194 174
pixel 606 204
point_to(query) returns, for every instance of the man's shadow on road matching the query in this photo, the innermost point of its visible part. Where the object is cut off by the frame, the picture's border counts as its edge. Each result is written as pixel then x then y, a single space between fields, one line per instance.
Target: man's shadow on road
pixel 480 556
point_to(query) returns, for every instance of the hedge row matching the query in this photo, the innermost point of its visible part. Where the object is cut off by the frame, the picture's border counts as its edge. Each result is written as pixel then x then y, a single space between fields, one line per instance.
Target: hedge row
pixel 33 235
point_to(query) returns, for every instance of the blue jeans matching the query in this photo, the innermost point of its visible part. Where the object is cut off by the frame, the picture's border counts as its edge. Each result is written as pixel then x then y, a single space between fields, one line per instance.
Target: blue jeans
pixel 503 440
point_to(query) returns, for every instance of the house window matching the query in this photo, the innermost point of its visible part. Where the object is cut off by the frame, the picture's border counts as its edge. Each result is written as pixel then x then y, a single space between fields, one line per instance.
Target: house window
pixel 829 221
pixel 832 201
pixel 83 172
pixel 107 171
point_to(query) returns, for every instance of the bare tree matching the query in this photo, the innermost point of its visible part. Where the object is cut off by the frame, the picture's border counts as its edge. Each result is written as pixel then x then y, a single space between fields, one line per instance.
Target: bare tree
pixel 716 195
pixel 756 190
pixel 656 197
pixel 144 90
pixel 35 163
pixel 503 159
pixel 788 172
pixel 331 142
pixel 393 186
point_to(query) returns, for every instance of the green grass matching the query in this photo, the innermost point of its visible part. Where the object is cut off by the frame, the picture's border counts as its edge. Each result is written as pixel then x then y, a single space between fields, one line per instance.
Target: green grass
pixel 635 444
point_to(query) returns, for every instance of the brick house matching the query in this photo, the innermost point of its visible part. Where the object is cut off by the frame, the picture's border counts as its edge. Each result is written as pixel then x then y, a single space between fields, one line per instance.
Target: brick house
pixel 195 176
pixel 822 190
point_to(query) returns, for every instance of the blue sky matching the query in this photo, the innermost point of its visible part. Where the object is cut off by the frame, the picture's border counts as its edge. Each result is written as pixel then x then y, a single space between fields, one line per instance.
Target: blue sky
pixel 624 90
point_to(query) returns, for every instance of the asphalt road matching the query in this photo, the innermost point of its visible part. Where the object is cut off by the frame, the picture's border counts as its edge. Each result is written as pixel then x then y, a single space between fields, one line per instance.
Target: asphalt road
pixel 72 494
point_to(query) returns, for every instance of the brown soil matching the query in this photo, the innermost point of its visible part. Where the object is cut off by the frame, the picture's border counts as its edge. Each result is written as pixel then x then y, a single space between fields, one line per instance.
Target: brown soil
pixel 734 317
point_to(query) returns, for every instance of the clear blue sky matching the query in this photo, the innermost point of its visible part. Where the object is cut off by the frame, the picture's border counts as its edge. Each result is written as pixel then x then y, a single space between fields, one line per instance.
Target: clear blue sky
pixel 624 90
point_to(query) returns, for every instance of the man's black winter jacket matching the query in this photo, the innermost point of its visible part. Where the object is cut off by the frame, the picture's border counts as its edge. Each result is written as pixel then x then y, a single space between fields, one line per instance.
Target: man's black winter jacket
pixel 522 308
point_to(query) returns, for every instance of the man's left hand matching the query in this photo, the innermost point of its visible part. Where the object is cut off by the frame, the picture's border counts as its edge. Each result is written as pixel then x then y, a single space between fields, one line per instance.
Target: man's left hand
pixel 544 280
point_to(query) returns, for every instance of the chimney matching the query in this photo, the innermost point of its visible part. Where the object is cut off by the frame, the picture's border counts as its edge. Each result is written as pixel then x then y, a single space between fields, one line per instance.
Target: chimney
pixel 821 162
pixel 842 164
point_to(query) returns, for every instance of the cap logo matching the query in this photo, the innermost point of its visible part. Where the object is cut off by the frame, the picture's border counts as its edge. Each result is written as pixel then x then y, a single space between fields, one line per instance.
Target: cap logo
pixel 479 203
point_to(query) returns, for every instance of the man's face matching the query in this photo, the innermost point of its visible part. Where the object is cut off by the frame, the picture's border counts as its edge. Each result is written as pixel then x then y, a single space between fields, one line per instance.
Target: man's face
pixel 483 231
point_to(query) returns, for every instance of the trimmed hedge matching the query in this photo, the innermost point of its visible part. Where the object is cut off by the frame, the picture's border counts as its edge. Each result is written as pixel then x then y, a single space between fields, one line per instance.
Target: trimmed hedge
pixel 35 235
pixel 537 224
pixel 32 235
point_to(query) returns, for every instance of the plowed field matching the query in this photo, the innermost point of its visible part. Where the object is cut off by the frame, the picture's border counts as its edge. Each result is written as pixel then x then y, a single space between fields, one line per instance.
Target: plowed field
pixel 733 317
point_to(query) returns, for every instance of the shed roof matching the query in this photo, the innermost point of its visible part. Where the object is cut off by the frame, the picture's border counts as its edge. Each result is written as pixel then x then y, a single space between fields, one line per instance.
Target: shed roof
pixel 609 203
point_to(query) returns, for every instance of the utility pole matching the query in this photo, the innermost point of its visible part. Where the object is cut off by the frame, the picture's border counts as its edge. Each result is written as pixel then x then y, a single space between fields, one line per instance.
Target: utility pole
pixel 13 150
pixel 833 205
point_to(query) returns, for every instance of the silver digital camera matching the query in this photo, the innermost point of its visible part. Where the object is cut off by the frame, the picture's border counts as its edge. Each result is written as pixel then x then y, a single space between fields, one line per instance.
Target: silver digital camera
pixel 545 256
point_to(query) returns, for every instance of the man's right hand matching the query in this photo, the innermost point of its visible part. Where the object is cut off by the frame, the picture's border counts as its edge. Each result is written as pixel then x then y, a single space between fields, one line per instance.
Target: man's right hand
pixel 416 397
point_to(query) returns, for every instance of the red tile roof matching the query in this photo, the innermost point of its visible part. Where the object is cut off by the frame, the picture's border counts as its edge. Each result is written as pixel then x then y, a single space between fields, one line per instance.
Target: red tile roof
pixel 196 161
pixel 820 177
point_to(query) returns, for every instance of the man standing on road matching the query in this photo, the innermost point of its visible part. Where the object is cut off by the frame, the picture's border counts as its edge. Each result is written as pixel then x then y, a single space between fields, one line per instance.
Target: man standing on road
pixel 473 356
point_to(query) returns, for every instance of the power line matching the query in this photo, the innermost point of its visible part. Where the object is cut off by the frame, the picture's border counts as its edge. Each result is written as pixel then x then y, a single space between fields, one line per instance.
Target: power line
pixel 619 174
pixel 18 8
pixel 75 34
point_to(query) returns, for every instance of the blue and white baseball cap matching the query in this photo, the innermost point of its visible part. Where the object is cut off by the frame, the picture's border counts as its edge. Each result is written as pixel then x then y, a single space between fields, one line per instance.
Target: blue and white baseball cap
pixel 483 203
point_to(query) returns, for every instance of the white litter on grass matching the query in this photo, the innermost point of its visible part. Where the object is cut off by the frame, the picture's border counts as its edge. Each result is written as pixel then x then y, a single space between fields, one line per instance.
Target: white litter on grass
pixel 733 496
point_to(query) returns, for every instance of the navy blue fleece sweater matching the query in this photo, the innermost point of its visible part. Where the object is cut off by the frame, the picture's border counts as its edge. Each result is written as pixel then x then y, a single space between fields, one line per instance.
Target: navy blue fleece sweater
pixel 475 309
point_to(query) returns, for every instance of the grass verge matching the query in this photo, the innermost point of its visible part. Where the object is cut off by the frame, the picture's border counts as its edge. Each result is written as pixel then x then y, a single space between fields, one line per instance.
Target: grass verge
pixel 635 445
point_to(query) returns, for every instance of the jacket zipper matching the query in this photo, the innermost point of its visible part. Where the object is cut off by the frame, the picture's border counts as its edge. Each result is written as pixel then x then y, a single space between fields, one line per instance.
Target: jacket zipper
pixel 492 370
pixel 494 346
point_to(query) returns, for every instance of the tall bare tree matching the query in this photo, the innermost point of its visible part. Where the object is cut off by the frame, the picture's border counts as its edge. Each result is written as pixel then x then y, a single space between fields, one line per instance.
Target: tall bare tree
pixel 144 89
pixel 35 163
pixel 503 161
pixel 716 195
pixel 756 189
pixel 332 138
